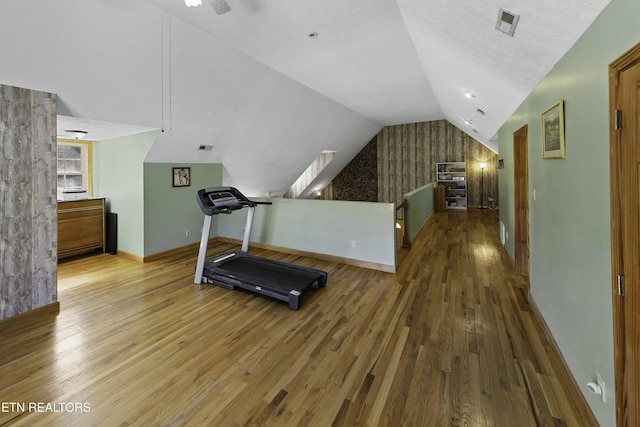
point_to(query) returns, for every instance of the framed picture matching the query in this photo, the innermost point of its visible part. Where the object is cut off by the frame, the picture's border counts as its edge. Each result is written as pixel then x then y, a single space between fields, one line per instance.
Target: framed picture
pixel 181 177
pixel 553 132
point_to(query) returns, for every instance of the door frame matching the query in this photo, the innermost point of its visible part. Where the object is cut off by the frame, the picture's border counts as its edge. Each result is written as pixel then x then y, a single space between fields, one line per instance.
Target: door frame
pixel 521 201
pixel 626 408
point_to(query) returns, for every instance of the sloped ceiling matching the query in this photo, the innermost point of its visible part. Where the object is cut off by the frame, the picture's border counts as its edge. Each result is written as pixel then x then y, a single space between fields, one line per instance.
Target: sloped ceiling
pixel 269 97
pixel 404 61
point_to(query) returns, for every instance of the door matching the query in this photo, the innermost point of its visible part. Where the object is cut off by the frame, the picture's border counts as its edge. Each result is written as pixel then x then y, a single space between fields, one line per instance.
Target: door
pixel 521 200
pixel 624 95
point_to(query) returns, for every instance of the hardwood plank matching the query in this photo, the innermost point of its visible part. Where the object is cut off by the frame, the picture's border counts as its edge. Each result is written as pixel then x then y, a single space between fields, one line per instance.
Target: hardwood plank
pixel 441 342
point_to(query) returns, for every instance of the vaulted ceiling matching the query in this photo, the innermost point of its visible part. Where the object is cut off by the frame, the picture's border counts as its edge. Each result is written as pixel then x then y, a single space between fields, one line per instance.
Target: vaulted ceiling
pixel 270 97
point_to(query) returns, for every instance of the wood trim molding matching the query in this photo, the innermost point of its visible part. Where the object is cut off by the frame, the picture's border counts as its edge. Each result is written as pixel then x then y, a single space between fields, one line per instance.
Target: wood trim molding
pixel 31 318
pixel 130 256
pixel 194 247
pixel 568 382
pixel 626 406
pixel 191 247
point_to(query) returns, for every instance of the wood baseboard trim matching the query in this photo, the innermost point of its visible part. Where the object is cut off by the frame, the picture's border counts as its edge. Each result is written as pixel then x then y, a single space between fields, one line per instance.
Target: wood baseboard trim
pixel 130 256
pixel 424 225
pixel 571 387
pixel 31 318
pixel 192 248
pixel 342 260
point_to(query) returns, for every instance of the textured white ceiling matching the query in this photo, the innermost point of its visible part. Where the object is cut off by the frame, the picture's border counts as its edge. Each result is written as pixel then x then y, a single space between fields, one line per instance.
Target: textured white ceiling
pixel 405 61
pixel 98 130
pixel 269 98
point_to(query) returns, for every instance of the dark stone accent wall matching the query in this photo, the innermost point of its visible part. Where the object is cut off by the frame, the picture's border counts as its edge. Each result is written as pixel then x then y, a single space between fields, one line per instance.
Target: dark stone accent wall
pixel 358 181
pixel 28 217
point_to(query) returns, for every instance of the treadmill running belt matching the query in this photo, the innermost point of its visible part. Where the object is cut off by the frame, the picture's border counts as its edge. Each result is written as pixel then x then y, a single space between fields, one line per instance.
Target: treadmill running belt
pixel 275 275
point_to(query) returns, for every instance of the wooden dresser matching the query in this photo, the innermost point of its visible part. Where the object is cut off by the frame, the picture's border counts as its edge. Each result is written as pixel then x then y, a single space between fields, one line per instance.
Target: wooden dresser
pixel 81 226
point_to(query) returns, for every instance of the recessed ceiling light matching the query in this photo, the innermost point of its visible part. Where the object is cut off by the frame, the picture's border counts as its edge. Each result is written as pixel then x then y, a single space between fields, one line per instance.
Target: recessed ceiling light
pixel 481 112
pixel 467 121
pixel 469 95
pixel 474 130
pixel 312 35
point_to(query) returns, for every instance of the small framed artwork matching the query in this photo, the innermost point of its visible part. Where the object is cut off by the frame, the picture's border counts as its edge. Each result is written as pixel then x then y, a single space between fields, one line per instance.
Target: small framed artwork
pixel 553 132
pixel 181 177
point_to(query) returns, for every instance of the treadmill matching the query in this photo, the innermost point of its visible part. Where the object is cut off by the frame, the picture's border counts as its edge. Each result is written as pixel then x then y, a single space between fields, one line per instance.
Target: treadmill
pixel 276 279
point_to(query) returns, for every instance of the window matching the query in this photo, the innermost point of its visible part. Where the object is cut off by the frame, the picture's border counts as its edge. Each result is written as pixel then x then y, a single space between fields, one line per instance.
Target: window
pixel 74 165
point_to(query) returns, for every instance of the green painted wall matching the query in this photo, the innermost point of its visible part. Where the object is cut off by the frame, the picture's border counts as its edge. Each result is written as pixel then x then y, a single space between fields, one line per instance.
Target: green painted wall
pixel 118 176
pixel 321 226
pixel 419 209
pixel 570 243
pixel 170 211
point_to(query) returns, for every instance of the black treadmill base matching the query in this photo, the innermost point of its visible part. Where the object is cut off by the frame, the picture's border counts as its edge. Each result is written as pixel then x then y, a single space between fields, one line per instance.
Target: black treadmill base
pixel 275 279
pixel 291 299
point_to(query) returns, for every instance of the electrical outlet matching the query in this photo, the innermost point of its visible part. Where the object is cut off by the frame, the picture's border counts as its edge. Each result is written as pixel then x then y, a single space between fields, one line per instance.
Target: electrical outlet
pixel 188 232
pixel 601 384
pixel 353 244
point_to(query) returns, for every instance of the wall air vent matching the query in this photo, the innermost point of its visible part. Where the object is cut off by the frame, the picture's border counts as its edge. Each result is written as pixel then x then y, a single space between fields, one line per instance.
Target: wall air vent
pixel 506 22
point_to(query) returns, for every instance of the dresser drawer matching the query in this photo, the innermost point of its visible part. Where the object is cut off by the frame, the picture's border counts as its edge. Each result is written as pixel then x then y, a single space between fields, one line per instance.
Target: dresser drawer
pixel 81 226
pixel 80 232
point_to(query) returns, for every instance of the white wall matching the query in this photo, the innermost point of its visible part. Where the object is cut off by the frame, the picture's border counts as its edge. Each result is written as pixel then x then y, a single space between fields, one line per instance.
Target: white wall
pixel 125 61
pixel 570 219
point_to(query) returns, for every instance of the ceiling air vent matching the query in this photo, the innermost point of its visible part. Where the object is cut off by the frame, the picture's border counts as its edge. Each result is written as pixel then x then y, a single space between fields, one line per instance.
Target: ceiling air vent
pixel 506 22
pixel 205 147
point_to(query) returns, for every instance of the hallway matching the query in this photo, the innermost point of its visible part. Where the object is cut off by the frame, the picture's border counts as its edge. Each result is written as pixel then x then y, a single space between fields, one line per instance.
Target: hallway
pixel 447 341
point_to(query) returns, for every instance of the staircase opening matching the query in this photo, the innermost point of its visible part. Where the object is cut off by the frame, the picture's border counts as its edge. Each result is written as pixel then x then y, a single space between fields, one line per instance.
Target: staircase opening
pixel 302 184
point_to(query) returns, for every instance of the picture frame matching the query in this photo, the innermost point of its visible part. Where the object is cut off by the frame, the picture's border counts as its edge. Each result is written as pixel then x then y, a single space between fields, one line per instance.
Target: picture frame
pixel 553 143
pixel 181 177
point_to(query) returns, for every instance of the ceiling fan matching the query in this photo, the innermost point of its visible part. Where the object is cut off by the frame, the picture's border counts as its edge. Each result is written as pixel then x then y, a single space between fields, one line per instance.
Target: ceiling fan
pixel 220 7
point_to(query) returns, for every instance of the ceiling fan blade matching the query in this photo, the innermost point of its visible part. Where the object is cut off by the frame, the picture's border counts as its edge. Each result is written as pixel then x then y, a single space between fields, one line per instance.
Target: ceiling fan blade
pixel 220 6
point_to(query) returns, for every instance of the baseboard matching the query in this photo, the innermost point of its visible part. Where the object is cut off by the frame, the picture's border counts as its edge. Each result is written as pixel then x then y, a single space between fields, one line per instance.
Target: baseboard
pixel 130 256
pixel 424 225
pixel 191 247
pixel 194 247
pixel 342 260
pixel 31 318
pixel 571 387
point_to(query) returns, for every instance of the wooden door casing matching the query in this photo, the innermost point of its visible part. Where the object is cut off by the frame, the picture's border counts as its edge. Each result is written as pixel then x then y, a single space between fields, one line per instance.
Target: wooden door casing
pixel 521 198
pixel 624 96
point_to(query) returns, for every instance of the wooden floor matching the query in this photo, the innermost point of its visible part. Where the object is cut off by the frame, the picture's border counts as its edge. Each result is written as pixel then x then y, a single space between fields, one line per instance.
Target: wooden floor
pixel 448 340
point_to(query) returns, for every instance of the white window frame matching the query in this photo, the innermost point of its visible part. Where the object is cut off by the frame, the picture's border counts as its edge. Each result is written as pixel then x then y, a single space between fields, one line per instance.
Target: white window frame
pixel 86 159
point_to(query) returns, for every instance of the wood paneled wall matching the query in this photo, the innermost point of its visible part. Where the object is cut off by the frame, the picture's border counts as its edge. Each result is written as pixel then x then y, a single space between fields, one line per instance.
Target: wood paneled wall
pixel 28 223
pixel 402 158
pixel 407 155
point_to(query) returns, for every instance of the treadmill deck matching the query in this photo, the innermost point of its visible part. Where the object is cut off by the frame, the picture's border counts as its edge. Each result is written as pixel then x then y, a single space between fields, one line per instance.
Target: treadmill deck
pixel 276 279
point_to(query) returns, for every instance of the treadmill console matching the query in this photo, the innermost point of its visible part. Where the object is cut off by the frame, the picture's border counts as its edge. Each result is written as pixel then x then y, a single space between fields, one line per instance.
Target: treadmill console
pixel 223 199
pixel 217 200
